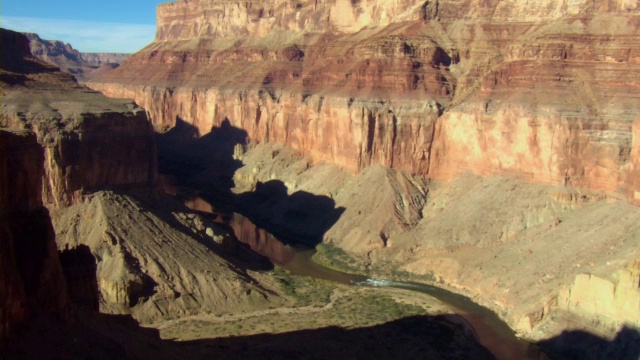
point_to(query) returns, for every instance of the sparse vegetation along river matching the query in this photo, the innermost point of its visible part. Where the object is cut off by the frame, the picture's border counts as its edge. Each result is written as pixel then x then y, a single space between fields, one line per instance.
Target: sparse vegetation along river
pixel 480 322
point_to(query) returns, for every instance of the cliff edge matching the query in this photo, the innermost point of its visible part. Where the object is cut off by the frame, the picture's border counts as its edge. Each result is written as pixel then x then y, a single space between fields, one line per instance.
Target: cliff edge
pixel 31 277
pixel 90 141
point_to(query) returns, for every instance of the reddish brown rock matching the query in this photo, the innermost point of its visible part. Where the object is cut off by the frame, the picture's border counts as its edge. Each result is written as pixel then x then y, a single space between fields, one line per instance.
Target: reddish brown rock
pixel 90 141
pixel 544 92
pixel 31 278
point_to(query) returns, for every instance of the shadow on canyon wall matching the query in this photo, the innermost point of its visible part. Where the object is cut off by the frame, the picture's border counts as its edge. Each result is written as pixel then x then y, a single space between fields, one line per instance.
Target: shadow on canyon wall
pixel 236 253
pixel 196 161
pixel 16 63
pixel 206 165
pixel 101 336
pixel 299 218
pixel 79 267
pixel 581 345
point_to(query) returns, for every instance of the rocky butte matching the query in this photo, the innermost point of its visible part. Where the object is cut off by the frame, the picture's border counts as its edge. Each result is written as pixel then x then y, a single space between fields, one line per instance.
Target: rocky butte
pixel 523 114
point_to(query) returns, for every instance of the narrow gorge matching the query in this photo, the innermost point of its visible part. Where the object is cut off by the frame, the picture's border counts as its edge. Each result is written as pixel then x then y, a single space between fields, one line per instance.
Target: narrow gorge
pixel 488 148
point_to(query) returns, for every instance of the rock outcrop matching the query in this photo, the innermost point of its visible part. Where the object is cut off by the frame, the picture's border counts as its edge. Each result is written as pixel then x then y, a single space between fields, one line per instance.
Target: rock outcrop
pixel 90 141
pixel 81 65
pixel 155 263
pixel 119 255
pixel 610 303
pixel 542 92
pixel 31 277
pixel 39 318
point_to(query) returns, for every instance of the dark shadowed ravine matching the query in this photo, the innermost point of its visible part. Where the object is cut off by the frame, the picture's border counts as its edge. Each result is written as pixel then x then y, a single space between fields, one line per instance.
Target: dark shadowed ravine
pixel 480 322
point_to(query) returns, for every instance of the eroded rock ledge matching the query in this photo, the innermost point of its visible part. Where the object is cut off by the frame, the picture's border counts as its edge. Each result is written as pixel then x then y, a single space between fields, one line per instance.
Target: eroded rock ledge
pixel 90 141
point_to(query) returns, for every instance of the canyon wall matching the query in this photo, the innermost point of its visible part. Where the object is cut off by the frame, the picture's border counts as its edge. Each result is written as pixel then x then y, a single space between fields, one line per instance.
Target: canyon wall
pixel 527 251
pixel 119 255
pixel 31 277
pixel 81 65
pixel 543 92
pixel 609 302
pixel 90 141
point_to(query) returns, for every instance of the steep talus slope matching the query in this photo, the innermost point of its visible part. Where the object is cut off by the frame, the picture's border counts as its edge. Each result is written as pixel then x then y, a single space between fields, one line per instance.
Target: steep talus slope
pixel 137 245
pixel 39 317
pixel 151 265
pixel 520 244
pixel 90 141
pixel 357 221
pixel 156 263
pixel 545 258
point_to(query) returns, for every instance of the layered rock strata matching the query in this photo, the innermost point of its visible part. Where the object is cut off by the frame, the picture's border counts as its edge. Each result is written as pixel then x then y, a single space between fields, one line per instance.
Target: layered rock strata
pixel 542 92
pixel 119 255
pixel 545 93
pixel 31 277
pixel 90 141
pixel 81 65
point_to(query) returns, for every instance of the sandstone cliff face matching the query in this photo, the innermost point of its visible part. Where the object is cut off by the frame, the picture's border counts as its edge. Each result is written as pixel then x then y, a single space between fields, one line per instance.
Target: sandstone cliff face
pixel 81 65
pixel 31 277
pixel 543 92
pixel 90 141
pixel 611 303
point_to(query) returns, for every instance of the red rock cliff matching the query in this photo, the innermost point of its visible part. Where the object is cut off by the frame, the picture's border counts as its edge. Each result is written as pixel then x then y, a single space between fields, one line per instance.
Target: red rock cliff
pixel 545 92
pixel 90 141
pixel 31 277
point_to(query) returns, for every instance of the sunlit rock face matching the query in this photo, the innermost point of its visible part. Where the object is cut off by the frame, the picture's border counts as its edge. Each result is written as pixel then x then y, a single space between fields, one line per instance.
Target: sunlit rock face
pixel 544 92
pixel 612 303
pixel 90 141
